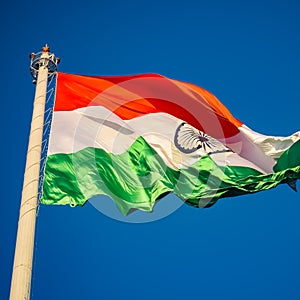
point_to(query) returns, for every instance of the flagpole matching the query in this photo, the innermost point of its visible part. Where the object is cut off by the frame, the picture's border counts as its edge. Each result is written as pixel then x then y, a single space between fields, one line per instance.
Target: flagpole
pixel 43 64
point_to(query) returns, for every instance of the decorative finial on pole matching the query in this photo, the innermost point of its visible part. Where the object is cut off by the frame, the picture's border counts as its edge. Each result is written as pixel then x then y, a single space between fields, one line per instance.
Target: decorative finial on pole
pixel 42 65
pixel 44 58
pixel 46 48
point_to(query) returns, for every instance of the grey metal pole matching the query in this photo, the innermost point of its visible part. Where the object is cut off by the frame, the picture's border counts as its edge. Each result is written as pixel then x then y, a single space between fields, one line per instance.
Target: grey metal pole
pixel 42 65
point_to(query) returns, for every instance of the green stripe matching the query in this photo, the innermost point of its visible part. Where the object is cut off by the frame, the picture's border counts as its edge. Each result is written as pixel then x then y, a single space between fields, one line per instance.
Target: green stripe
pixel 135 179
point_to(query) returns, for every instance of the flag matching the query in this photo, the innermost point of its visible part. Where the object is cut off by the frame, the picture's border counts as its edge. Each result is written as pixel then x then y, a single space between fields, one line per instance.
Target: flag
pixel 137 138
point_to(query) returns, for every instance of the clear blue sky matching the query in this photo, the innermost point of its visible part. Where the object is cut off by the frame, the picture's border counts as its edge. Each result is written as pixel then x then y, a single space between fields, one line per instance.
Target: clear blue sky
pixel 247 54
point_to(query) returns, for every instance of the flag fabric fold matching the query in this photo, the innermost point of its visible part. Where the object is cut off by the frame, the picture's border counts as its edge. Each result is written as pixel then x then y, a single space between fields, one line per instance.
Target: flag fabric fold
pixel 136 138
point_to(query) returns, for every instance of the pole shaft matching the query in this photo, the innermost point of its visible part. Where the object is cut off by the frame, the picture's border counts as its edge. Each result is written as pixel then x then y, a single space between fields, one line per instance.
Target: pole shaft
pixel 22 268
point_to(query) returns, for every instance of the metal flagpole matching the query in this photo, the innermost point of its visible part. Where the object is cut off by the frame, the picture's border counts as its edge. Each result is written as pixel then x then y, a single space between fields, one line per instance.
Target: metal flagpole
pixel 43 64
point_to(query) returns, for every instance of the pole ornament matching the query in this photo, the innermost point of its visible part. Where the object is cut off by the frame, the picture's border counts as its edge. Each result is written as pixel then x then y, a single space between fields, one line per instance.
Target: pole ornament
pixel 43 59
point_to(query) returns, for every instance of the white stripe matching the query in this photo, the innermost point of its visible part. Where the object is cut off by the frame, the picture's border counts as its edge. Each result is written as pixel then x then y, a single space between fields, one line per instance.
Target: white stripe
pixel 272 146
pixel 97 127
pixel 262 149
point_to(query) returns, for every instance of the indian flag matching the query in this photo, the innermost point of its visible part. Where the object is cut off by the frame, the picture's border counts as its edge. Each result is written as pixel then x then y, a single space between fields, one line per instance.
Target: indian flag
pixel 137 138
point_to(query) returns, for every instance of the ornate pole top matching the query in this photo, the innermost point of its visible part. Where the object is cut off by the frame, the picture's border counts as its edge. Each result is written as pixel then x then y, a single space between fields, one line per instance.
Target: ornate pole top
pixel 43 59
pixel 46 48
